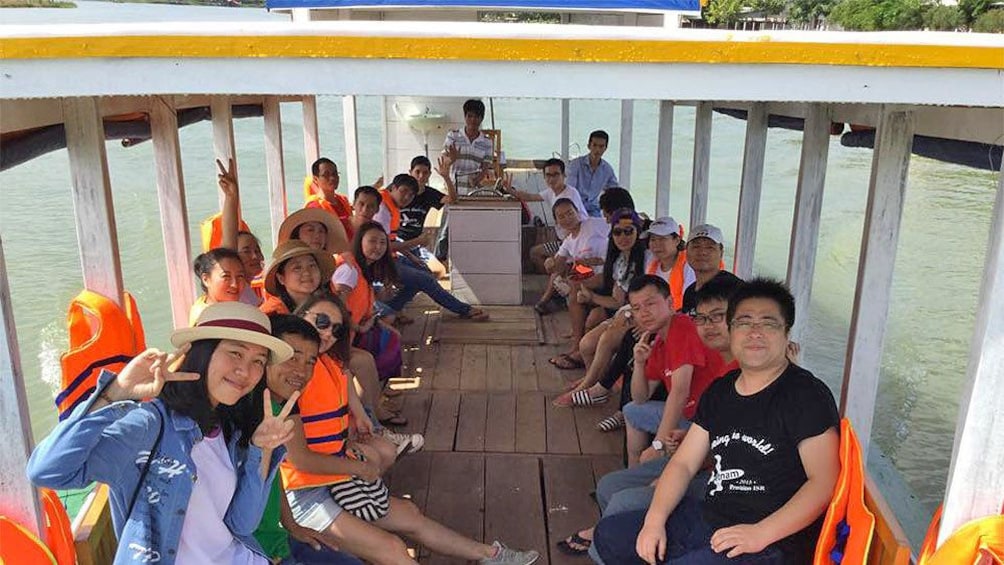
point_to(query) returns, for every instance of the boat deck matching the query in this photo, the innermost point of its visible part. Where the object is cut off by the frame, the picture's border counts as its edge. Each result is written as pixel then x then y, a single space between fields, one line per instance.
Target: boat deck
pixel 500 462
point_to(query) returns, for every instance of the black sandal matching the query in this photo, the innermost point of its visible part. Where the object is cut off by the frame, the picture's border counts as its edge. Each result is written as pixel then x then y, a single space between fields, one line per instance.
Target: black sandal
pixel 566 545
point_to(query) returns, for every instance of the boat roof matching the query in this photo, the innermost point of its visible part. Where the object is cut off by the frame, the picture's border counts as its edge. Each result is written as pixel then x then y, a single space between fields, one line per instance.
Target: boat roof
pixel 632 5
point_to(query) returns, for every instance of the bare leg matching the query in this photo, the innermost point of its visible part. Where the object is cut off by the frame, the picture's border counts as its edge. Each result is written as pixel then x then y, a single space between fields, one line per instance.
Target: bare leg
pixel 378 450
pixel 405 519
pixel 596 315
pixel 607 344
pixel 538 254
pixel 368 386
pixel 577 314
pixel 637 441
pixel 367 542
pixel 588 343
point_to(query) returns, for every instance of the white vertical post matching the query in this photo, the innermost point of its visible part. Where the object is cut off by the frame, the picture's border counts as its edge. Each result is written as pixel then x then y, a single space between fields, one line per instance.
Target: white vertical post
pixel 274 165
pixel 17 495
pixel 808 203
pixel 702 164
pixel 173 210
pixel 976 476
pixel 627 137
pixel 223 134
pixel 350 125
pixel 94 213
pixel 565 120
pixel 311 135
pixel 664 158
pixel 886 190
pixel 750 189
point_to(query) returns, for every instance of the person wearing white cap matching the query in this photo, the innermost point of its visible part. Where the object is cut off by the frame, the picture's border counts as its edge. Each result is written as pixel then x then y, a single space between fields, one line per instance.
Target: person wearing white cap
pixel 189 453
pixel 705 250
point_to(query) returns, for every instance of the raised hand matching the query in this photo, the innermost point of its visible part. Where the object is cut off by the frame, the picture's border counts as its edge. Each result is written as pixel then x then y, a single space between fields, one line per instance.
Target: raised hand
pixel 643 348
pixel 145 375
pixel 227 178
pixel 274 430
pixel 507 181
pixel 378 184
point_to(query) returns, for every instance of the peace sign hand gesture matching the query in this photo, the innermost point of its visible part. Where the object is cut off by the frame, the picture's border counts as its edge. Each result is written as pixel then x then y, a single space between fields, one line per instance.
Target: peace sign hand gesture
pixel 643 349
pixel 144 377
pixel 227 178
pixel 274 430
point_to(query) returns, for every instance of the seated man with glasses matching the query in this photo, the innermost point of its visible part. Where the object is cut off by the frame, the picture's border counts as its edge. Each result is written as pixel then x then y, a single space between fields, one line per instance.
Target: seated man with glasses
pixel 770 428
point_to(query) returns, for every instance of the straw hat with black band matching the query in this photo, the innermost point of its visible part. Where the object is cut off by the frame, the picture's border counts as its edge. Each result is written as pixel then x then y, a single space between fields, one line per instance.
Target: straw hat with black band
pixel 337 240
pixel 289 250
pixel 235 321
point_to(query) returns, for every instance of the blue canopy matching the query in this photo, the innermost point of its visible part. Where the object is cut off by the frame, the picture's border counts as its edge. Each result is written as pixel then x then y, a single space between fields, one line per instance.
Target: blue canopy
pixel 686 5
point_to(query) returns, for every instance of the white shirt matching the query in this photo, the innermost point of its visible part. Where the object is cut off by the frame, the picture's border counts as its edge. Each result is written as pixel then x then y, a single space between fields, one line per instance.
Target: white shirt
pixel 472 159
pixel 590 242
pixel 345 275
pixel 383 217
pixel 570 193
pixel 689 276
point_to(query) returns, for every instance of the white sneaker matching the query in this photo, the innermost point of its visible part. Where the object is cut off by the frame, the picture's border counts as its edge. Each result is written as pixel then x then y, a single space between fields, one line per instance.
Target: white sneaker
pixel 507 556
pixel 406 443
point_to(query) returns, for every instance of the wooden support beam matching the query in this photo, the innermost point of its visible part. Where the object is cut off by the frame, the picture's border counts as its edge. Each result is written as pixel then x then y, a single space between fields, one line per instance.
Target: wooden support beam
pixel 886 191
pixel 627 141
pixel 702 164
pixel 664 158
pixel 311 135
pixel 18 497
pixel 274 165
pixel 565 120
pixel 976 477
pixel 223 135
pixel 808 203
pixel 750 190
pixel 94 214
pixel 173 210
pixel 351 128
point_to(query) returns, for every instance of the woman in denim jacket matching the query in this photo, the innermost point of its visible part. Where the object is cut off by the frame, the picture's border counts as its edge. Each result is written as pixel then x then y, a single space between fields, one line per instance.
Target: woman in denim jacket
pixel 209 425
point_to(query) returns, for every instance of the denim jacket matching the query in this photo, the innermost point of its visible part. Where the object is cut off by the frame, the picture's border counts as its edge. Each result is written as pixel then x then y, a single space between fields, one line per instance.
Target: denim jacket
pixel 111 446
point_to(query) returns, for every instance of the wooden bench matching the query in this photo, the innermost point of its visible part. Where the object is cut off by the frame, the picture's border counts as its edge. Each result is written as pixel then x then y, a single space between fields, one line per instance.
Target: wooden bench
pixel 93 533
pixel 889 543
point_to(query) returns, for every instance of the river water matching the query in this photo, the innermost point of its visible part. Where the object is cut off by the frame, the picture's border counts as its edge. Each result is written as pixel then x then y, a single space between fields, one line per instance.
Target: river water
pixel 938 265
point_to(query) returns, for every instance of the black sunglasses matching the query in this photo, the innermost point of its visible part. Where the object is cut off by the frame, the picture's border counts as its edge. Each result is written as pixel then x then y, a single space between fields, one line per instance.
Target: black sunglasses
pixel 622 231
pixel 323 322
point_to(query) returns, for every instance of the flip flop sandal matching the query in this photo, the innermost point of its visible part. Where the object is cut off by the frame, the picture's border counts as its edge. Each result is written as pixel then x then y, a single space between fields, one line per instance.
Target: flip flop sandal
pixel 574 545
pixel 611 423
pixel 582 398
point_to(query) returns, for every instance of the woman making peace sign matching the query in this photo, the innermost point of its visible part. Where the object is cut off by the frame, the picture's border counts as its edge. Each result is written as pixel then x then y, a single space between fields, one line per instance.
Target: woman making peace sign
pixel 189 454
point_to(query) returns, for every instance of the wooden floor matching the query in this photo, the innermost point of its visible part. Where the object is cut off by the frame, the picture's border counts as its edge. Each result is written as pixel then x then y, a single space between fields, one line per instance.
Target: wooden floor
pixel 499 461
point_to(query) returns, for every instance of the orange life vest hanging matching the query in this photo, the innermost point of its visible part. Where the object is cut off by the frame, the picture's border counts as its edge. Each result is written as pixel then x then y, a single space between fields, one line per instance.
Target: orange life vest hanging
pixel 848 526
pixel 212 231
pixel 102 336
pixel 18 545
pixel 675 281
pixel 361 299
pixel 324 411
pixel 966 546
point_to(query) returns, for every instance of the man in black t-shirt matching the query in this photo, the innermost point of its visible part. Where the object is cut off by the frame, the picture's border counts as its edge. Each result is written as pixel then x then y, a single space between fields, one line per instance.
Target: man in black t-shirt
pixel 412 229
pixel 770 429
pixel 705 250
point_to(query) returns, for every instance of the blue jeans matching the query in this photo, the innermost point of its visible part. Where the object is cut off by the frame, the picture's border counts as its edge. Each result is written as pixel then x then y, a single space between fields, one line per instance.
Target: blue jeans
pixel 688 539
pixel 303 554
pixel 415 280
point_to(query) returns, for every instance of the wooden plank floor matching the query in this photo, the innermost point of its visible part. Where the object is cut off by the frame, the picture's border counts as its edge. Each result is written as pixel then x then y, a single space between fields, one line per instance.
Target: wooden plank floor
pixel 500 462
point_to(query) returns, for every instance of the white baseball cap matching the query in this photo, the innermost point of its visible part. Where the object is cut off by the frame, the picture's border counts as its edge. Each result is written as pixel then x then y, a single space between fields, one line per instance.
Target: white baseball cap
pixel 709 231
pixel 664 227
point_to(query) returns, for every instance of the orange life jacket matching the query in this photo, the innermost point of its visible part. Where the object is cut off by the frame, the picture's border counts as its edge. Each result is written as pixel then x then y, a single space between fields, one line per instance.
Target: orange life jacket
pixel 361 299
pixel 675 281
pixel 18 545
pixel 324 411
pixel 848 525
pixel 212 231
pixel 395 212
pixel 273 305
pixel 102 336
pixel 975 540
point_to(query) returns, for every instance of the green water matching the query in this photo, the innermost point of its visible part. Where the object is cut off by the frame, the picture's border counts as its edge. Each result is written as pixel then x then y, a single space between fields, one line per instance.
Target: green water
pixel 938 267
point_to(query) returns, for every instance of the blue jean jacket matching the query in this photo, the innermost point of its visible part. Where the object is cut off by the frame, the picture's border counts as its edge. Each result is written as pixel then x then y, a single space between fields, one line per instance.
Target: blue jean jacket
pixel 111 446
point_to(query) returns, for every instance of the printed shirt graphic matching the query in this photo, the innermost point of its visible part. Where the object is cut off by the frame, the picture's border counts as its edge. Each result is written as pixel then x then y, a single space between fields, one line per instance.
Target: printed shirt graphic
pixel 413 216
pixel 754 449
pixel 682 346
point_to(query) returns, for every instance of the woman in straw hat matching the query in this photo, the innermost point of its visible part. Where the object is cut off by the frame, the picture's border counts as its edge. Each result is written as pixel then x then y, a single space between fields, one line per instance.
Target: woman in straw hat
pixel 296 272
pixel 316 228
pixel 189 453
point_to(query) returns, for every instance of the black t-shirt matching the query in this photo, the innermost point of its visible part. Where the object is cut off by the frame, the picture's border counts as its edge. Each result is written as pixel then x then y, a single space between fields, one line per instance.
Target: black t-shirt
pixel 690 293
pixel 754 450
pixel 413 217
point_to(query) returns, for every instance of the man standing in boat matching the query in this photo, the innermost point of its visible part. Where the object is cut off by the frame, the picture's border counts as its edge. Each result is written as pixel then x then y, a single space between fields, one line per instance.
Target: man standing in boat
pixel 591 174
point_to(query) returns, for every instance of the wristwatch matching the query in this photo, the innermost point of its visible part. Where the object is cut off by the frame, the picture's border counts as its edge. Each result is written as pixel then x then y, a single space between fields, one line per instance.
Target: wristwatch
pixel 657 444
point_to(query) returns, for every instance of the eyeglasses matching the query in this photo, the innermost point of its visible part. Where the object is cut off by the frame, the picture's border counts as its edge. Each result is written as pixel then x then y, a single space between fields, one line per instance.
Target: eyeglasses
pixel 552 175
pixel 765 326
pixel 713 318
pixel 622 231
pixel 323 322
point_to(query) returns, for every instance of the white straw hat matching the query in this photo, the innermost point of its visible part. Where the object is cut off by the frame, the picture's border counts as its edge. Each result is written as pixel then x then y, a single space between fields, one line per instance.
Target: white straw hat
pixel 238 322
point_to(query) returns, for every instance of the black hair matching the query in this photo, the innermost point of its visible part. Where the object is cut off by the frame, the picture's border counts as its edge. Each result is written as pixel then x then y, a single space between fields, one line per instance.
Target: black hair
pixel 288 324
pixel 718 289
pixel 251 235
pixel 554 161
pixel 420 160
pixel 474 106
pixel 284 295
pixel 368 190
pixel 342 348
pixel 295 234
pixel 205 262
pixel 191 398
pixel 382 270
pixel 615 198
pixel 405 180
pixel 642 281
pixel 315 168
pixel 769 289
pixel 636 259
pixel 561 202
pixel 599 134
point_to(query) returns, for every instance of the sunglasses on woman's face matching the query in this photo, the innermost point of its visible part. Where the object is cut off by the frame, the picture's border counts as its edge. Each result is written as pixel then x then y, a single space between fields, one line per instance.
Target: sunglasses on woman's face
pixel 622 231
pixel 323 322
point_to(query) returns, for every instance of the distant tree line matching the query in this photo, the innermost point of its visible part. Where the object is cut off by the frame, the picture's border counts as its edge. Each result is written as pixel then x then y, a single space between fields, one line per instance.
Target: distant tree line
pixel 865 15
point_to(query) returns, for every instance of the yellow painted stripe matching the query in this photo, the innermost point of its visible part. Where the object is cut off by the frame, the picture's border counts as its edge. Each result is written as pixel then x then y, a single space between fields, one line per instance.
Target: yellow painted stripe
pixel 463 49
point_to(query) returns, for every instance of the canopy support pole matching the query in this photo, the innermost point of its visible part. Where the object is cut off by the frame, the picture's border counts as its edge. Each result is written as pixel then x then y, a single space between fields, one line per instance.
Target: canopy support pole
pixel 702 164
pixel 311 135
pixel 565 120
pixel 351 128
pixel 627 140
pixel 173 210
pixel 274 165
pixel 223 136
pixel 886 191
pixel 976 478
pixel 750 190
pixel 664 158
pixel 808 203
